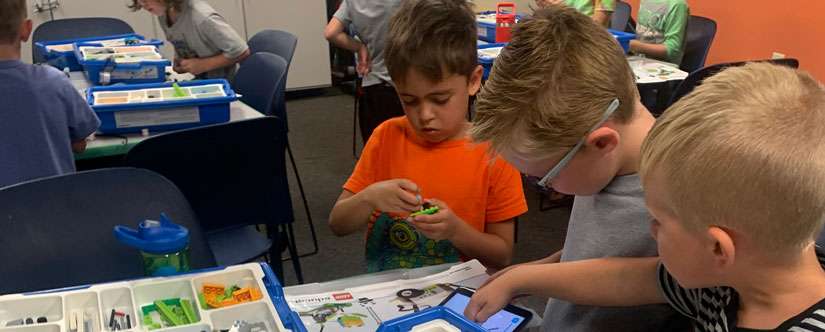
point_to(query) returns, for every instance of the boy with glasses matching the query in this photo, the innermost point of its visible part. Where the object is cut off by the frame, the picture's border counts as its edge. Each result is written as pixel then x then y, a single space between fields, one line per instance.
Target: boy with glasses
pixel 561 104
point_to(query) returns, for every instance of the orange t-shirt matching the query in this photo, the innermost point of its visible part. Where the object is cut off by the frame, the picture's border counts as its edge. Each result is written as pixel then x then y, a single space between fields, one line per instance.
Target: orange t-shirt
pixel 457 172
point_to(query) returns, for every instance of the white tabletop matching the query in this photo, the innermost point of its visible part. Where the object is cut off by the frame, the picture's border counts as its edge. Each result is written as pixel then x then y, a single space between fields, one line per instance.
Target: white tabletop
pixel 100 146
pixel 649 70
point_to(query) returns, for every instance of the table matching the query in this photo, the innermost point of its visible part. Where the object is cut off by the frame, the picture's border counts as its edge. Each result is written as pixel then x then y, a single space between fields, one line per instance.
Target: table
pixel 114 145
pixel 649 70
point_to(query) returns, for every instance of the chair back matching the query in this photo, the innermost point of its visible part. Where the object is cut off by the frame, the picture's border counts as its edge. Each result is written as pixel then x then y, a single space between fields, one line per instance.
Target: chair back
pixel 58 231
pixel 695 78
pixel 280 43
pixel 621 16
pixel 260 83
pixel 699 35
pixel 233 174
pixel 71 28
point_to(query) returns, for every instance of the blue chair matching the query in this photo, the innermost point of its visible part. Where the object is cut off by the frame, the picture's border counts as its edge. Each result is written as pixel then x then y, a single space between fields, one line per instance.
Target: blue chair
pixel 695 78
pixel 699 35
pixel 57 231
pixel 621 17
pixel 283 44
pixel 234 175
pixel 259 81
pixel 70 28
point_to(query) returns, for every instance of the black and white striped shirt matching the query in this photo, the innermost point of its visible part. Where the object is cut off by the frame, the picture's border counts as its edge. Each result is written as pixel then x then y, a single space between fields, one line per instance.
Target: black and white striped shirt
pixel 714 309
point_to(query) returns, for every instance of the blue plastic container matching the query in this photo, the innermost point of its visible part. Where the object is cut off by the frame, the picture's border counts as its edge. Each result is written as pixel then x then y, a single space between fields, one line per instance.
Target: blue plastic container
pixel 184 113
pixel 487 31
pixel 486 62
pixel 289 318
pixel 406 323
pixel 68 59
pixel 624 38
pixel 103 72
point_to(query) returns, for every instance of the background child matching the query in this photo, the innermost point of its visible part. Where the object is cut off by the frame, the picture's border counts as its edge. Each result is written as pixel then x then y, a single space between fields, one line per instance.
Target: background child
pixel 660 31
pixel 42 117
pixel 427 154
pixel 548 111
pixel 599 10
pixel 205 45
pixel 736 205
pixel 369 18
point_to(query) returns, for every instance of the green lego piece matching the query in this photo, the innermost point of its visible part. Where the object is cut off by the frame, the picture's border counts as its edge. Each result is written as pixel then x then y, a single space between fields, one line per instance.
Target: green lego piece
pixel 179 92
pixel 430 210
pixel 188 311
pixel 167 313
pixel 202 300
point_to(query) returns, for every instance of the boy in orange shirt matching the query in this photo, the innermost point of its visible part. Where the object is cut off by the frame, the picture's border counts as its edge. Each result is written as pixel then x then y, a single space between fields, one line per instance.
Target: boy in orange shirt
pixel 427 154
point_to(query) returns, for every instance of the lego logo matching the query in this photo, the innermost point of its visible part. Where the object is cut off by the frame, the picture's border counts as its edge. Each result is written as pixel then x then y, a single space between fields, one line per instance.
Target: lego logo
pixel 342 296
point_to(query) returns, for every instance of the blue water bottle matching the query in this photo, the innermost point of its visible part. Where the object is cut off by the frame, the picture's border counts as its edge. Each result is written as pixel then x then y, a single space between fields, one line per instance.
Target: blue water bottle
pixel 163 245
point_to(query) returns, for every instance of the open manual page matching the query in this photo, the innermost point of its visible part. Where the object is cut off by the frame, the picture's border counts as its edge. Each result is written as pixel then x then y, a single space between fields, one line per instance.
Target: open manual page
pixel 364 308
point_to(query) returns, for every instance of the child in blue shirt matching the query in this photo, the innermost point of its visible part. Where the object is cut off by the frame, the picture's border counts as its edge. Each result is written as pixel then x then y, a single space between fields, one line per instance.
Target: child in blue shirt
pixel 43 119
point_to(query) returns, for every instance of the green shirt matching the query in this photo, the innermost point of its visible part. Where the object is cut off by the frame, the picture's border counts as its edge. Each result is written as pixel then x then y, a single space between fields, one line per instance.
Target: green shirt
pixel 586 6
pixel 664 22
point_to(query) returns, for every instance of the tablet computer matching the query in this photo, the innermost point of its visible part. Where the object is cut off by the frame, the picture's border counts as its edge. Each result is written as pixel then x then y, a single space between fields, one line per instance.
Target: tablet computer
pixel 509 319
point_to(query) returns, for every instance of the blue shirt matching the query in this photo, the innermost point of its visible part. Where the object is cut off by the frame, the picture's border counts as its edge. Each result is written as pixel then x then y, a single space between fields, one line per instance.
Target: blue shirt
pixel 41 114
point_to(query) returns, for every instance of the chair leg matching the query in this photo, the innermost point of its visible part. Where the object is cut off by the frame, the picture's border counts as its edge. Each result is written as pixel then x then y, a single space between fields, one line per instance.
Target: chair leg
pixel 306 205
pixel 355 126
pixel 274 256
pixel 293 253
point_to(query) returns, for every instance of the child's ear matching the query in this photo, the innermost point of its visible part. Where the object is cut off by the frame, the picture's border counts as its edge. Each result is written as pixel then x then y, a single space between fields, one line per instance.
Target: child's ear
pixel 25 30
pixel 604 139
pixel 722 247
pixel 474 81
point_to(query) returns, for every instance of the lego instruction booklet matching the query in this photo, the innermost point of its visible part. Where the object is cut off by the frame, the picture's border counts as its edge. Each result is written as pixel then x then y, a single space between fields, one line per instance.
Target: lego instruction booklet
pixel 364 308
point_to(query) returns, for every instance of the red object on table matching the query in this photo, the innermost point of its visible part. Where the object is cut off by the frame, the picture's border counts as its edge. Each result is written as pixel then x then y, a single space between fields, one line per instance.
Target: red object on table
pixel 505 20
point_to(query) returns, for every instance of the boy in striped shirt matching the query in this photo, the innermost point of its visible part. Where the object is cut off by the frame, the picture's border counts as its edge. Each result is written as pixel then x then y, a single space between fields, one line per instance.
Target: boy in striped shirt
pixel 734 179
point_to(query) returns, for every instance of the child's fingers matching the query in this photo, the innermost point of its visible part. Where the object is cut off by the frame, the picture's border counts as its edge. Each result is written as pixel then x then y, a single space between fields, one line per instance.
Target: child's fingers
pixel 473 308
pixel 428 218
pixel 408 185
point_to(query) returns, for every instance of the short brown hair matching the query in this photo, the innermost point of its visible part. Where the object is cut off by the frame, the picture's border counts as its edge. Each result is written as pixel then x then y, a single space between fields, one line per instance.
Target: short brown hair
pixel 12 15
pixel 177 4
pixel 436 37
pixel 552 83
pixel 744 151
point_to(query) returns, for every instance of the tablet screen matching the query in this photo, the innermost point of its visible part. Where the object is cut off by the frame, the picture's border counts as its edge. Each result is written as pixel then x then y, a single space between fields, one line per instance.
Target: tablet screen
pixel 502 321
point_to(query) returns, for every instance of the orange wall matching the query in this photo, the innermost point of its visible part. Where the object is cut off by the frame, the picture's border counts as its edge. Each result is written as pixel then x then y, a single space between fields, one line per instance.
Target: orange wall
pixel 749 30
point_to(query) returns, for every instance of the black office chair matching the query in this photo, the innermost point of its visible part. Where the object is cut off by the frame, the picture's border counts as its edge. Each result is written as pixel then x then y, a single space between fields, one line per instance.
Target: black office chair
pixel 283 44
pixel 695 78
pixel 699 35
pixel 57 231
pixel 234 175
pixel 71 28
pixel 620 19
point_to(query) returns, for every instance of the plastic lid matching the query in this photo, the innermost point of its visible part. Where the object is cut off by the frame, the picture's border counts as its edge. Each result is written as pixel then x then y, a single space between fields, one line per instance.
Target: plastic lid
pixel 156 237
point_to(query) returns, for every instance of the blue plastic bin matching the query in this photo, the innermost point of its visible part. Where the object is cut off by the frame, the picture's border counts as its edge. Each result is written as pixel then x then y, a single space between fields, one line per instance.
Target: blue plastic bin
pixel 624 38
pixel 102 72
pixel 406 323
pixel 209 110
pixel 68 59
pixel 487 31
pixel 485 61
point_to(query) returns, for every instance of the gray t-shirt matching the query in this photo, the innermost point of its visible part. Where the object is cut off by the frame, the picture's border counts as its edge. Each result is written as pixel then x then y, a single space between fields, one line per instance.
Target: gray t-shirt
pixel 370 20
pixel 41 114
pixel 200 32
pixel 612 223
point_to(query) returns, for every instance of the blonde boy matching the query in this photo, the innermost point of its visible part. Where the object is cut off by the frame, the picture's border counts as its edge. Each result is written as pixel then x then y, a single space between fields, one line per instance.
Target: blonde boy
pixel 734 176
pixel 561 105
pixel 426 156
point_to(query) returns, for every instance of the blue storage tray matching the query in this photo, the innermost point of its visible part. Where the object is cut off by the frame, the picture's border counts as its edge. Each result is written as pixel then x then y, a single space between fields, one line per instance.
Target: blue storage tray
pixel 68 59
pixel 406 323
pixel 129 73
pixel 487 31
pixel 210 110
pixel 487 62
pixel 624 38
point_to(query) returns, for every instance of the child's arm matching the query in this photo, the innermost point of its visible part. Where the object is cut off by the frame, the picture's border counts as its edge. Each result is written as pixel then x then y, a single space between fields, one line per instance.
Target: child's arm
pixel 598 282
pixel 334 33
pixel 602 11
pixel 352 210
pixel 79 146
pixel 494 248
pixel 674 33
pixel 197 66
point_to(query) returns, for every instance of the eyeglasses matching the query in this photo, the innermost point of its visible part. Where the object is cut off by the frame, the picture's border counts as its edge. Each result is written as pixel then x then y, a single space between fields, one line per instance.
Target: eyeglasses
pixel 567 157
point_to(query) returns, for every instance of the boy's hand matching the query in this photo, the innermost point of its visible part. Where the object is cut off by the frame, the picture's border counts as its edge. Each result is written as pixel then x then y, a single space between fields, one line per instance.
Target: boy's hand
pixel 364 61
pixel 397 195
pixel 193 66
pixel 439 226
pixel 490 299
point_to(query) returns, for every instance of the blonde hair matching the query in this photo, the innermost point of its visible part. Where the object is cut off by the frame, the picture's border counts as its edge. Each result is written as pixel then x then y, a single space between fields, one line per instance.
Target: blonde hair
pixel 745 151
pixel 12 15
pixel 551 84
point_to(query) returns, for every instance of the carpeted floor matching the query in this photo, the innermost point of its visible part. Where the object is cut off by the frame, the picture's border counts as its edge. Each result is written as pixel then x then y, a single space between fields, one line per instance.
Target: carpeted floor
pixel 321 128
